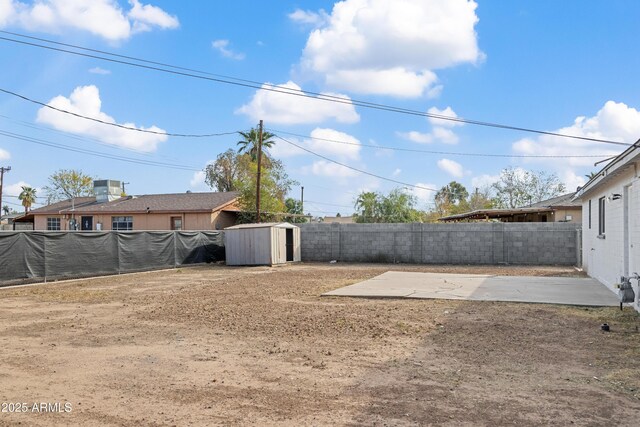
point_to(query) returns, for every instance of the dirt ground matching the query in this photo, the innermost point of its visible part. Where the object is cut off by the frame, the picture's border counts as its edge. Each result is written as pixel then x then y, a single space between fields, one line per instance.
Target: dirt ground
pixel 215 345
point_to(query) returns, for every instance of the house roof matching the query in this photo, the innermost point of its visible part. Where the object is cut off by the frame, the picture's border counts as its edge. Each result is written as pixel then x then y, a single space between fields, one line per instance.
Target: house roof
pixel 339 219
pixel 549 205
pixel 495 213
pixel 616 166
pixel 153 203
pixel 564 201
pixel 262 225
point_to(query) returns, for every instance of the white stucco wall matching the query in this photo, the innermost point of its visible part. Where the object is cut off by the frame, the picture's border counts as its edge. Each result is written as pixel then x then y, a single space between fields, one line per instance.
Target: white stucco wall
pixel 603 257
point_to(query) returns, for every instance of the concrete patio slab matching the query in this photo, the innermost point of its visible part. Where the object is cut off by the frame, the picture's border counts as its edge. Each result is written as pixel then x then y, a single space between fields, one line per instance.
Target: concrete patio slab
pixel 476 287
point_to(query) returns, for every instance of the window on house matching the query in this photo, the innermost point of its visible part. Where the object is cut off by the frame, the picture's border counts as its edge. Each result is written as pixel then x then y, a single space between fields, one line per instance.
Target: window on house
pixel 53 224
pixel 601 216
pixel 589 214
pixel 176 223
pixel 122 223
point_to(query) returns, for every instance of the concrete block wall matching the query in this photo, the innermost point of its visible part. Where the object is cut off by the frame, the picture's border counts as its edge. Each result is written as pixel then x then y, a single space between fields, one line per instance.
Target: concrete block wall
pixel 463 243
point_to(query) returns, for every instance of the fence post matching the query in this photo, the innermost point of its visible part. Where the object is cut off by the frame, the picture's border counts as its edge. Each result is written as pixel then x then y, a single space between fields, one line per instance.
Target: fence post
pixel 44 254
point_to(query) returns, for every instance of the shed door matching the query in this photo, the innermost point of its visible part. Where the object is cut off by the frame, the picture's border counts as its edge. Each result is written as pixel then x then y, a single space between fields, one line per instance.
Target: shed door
pixel 289 244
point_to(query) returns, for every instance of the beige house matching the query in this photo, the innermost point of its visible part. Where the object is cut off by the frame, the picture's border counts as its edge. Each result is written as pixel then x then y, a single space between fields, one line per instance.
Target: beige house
pixel 106 211
pixel 558 209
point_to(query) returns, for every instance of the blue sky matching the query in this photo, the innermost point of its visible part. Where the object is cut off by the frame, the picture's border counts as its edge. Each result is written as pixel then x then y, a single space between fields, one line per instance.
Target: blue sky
pixel 567 67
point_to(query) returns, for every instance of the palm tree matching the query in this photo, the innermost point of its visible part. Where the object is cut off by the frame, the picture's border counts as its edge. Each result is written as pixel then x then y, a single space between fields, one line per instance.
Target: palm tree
pixel 591 175
pixel 367 204
pixel 249 142
pixel 6 209
pixel 28 197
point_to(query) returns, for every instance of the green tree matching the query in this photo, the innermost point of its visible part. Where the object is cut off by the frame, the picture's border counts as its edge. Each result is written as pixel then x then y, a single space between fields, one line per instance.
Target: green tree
pixel 517 188
pixel 224 173
pixel 396 207
pixel 234 171
pixel 480 199
pixel 67 184
pixel 294 206
pixel 367 207
pixel 28 197
pixel 591 175
pixel 249 142
pixel 451 199
pixel 6 209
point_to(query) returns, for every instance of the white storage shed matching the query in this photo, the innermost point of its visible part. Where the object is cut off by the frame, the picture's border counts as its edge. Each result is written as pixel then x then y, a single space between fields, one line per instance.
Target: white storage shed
pixel 269 243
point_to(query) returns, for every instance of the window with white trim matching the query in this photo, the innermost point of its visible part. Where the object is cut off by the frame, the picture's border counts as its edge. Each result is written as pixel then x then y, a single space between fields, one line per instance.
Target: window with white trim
pixel 53 224
pixel 122 223
pixel 601 215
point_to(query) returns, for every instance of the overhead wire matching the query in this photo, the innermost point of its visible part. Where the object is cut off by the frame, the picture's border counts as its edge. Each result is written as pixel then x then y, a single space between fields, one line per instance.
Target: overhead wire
pixel 93 119
pixel 96 153
pixel 420 187
pixel 83 138
pixel 451 153
pixel 156 66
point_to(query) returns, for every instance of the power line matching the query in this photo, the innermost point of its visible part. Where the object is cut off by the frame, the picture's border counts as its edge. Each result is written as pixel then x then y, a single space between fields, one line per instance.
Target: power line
pixel 93 119
pixel 450 153
pixel 156 66
pixel 96 153
pixel 328 204
pixel 83 138
pixel 356 169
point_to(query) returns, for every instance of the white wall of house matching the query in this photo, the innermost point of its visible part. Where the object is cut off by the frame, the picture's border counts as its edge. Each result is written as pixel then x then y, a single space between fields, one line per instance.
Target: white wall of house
pixel 615 253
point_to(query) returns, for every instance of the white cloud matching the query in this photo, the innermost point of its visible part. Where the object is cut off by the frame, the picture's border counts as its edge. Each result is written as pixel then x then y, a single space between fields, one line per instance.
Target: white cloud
pixel 146 16
pixel 396 172
pixel 222 46
pixel 98 70
pixel 614 121
pixel 321 142
pixel 435 91
pixel 15 189
pixel 484 181
pixel 4 154
pixel 85 100
pixel 447 112
pixel 417 37
pixel 324 168
pixel 308 17
pixel 283 108
pixel 399 81
pixel 438 134
pixel 104 18
pixel 454 169
pixel 423 195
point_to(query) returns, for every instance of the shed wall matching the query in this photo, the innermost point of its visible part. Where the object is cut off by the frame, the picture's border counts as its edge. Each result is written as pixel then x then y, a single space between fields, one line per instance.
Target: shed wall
pixel 250 246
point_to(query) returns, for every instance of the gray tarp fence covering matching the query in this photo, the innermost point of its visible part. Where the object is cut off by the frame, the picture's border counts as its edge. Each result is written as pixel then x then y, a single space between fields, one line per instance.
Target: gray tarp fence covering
pixel 39 255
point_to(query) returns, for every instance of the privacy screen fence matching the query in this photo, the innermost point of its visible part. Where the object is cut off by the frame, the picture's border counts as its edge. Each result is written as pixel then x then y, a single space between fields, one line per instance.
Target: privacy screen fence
pixel 37 255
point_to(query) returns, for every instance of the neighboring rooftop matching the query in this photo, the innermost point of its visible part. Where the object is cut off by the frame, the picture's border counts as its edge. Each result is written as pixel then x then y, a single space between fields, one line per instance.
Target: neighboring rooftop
pixel 564 201
pixel 178 202
pixel 549 205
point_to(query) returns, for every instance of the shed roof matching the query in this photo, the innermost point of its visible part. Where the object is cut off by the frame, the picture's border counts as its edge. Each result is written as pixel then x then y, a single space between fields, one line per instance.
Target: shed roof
pixel 262 225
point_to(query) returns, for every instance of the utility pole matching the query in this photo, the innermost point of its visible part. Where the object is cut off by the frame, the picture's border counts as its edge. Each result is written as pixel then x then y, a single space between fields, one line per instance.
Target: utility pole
pixel 258 176
pixel 123 184
pixel 302 200
pixel 2 171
